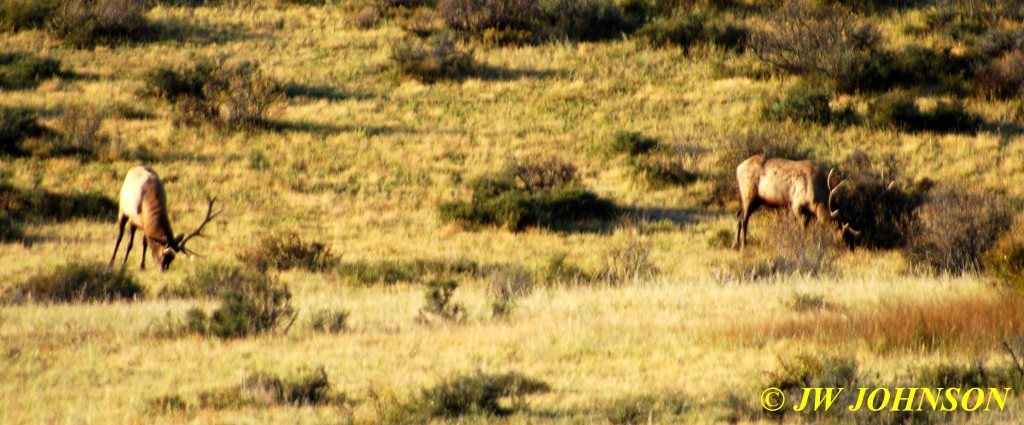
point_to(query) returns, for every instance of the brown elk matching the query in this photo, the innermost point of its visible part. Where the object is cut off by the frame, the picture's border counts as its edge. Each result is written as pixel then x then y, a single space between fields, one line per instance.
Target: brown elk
pixel 798 186
pixel 143 206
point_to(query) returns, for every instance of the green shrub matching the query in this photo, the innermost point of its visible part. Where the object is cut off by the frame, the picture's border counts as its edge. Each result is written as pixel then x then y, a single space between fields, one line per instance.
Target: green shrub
pixel 15 126
pixel 803 102
pixel 239 96
pixel 964 376
pixel 25 14
pixel 808 370
pixel 87 23
pixel 664 169
pixel 1001 78
pixel 259 304
pixel 285 251
pixel 478 393
pixel 953 229
pixel 558 270
pixel 438 302
pixel 24 70
pixel 329 321
pixel 587 20
pixel 680 29
pixel 531 193
pixel 423 22
pixel 75 282
pixel 475 16
pixel 1004 262
pixel 262 389
pixel 632 143
pixel 433 59
pixel 208 280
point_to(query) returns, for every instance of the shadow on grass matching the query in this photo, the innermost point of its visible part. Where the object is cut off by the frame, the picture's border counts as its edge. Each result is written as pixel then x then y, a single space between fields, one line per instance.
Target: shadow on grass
pixel 333 94
pixel 494 73
pixel 328 129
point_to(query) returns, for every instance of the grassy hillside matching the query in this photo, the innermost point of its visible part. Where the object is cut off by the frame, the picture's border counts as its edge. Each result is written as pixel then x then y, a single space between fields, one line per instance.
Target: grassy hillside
pixel 647 316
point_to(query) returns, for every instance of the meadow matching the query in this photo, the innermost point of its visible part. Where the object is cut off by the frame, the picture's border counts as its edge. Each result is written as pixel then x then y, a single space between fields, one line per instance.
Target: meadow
pixel 356 230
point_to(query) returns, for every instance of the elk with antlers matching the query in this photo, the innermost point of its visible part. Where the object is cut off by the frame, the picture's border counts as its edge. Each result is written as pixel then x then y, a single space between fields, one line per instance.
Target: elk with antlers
pixel 798 186
pixel 143 206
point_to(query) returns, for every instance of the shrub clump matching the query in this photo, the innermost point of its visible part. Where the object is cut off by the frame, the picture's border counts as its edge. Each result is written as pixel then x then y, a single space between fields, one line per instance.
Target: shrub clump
pixel 18 15
pixel 1004 262
pixel 631 143
pixel 16 125
pixel 261 389
pixel 953 230
pixel 256 303
pixel 208 280
pixel 541 192
pixel 238 96
pixel 803 102
pixel 90 22
pixel 436 58
pixel 437 303
pixel 1001 78
pixel 478 393
pixel 287 251
pixel 684 30
pixel 77 282
pixel 329 321
pixel 24 70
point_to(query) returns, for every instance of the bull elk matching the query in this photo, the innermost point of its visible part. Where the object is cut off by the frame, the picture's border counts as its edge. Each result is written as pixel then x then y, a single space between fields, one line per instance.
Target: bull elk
pixel 798 186
pixel 143 205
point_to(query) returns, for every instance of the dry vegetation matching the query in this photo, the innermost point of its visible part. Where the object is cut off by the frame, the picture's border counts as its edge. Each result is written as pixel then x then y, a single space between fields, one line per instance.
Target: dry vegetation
pixel 457 212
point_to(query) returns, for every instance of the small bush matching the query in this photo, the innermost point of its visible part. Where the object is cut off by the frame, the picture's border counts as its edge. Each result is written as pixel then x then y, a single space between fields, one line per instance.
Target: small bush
pixel 974 375
pixel 530 193
pixel 475 16
pixel 80 125
pixel 877 201
pixel 18 15
pixel 15 126
pixel 558 270
pixel 261 389
pixel 646 408
pixel 805 38
pixel 88 23
pixel 24 70
pixel 287 251
pixel 433 59
pixel 953 229
pixel 10 229
pixel 208 280
pixel 664 170
pixel 383 271
pixel 790 249
pixel 899 110
pixel 687 29
pixel 996 41
pixel 804 302
pixel 365 18
pixel 807 370
pixel 631 143
pixel 437 302
pixel 629 261
pixel 803 102
pixel 75 282
pixel 587 20
pixel 1002 78
pixel 329 321
pixel 238 96
pixel 1004 262
pixel 476 394
pixel 423 22
pixel 505 287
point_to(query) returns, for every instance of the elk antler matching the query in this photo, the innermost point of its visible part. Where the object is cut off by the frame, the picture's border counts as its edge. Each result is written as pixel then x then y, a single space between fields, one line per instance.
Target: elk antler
pixel 210 215
pixel 832 192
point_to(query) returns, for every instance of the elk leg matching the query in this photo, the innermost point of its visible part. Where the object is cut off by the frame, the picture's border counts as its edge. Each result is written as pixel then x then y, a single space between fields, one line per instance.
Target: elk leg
pixel 145 244
pixel 131 241
pixel 121 221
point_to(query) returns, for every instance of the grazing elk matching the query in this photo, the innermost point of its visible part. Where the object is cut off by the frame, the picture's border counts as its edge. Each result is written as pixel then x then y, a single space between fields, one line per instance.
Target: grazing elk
pixel 143 206
pixel 799 186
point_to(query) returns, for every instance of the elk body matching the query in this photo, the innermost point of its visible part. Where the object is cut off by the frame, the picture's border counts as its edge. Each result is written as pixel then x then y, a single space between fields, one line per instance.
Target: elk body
pixel 798 186
pixel 143 205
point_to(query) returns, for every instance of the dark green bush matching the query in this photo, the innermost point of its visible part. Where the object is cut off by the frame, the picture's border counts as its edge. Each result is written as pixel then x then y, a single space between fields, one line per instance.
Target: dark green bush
pixel 632 143
pixel 664 170
pixel 87 23
pixel 287 251
pixel 531 193
pixel 681 29
pixel 258 304
pixel 475 16
pixel 15 126
pixel 75 282
pixel 329 321
pixel 10 229
pixel 587 20
pixel 433 59
pixel 438 302
pixel 25 70
pixel 478 393
pixel 803 102
pixel 25 14
pixel 953 230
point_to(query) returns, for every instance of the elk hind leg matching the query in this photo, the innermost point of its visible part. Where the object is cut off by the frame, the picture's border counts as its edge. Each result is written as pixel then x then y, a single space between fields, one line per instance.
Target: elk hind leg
pixel 145 245
pixel 121 221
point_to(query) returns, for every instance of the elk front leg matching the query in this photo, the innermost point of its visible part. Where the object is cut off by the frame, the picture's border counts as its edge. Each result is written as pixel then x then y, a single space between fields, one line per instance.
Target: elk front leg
pixel 131 241
pixel 121 221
